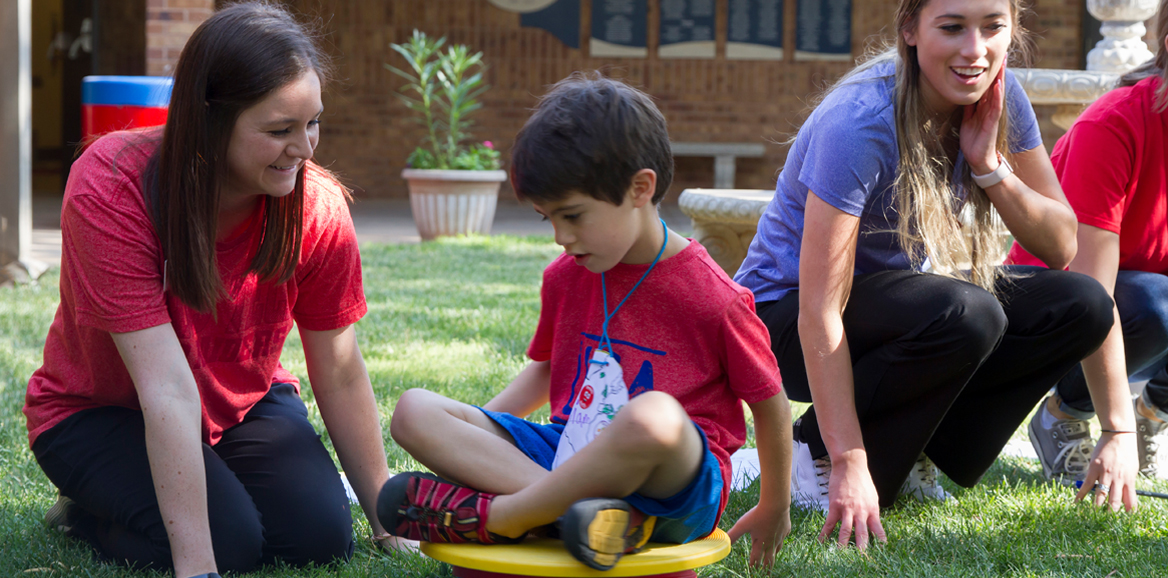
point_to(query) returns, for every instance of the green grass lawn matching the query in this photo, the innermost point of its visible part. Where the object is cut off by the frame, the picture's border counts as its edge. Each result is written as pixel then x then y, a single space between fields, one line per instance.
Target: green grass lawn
pixel 454 316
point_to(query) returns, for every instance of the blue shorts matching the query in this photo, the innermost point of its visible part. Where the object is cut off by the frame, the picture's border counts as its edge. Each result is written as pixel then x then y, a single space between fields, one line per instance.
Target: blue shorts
pixel 683 517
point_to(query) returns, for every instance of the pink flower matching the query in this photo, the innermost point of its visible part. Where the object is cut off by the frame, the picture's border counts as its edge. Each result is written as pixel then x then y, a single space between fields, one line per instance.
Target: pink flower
pixel 488 144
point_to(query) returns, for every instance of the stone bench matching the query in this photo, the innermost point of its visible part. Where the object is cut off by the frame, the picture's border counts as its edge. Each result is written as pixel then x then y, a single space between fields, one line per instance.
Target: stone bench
pixel 725 157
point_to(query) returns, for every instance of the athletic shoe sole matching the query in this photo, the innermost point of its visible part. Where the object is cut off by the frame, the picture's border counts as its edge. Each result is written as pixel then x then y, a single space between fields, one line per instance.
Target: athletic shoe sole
pixel 392 495
pixel 598 531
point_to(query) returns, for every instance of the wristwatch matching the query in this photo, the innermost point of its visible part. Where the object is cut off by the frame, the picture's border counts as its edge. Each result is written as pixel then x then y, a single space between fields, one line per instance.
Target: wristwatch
pixel 998 175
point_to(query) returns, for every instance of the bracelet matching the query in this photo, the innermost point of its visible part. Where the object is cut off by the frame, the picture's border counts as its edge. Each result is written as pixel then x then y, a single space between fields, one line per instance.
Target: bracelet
pixel 1116 431
pixel 995 176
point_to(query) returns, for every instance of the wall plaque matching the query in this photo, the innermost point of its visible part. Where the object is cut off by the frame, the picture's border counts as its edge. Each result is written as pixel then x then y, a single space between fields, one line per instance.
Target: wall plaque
pixel 823 30
pixel 755 30
pixel 522 6
pixel 560 17
pixel 620 28
pixel 687 29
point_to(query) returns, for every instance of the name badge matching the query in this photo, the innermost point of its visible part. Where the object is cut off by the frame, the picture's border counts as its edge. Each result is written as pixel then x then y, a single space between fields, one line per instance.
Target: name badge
pixel 604 393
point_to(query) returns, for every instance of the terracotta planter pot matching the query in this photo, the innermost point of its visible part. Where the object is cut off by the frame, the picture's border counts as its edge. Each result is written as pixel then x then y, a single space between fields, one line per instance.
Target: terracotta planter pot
pixel 453 202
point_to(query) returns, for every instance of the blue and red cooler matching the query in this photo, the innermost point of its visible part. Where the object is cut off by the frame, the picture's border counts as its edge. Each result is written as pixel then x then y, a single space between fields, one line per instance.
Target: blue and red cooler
pixel 110 103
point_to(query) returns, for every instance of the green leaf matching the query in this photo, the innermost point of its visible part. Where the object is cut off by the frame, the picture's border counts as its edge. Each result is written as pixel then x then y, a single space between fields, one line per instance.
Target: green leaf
pixel 441 92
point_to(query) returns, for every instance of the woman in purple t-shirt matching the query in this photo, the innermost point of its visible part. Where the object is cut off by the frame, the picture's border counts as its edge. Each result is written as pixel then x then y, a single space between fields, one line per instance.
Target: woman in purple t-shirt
pixel 876 268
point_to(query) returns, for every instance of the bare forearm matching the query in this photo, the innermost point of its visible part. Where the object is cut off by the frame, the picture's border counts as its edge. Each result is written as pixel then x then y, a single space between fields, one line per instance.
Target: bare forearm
pixel 172 414
pixel 772 434
pixel 350 414
pixel 1106 369
pixel 345 398
pixel 175 452
pixel 829 374
pixel 526 393
pixel 1044 226
pixel 1106 373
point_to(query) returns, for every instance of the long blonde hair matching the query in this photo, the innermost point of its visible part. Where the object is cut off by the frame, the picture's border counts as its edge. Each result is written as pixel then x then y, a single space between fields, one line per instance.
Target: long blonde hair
pixel 929 226
pixel 1157 65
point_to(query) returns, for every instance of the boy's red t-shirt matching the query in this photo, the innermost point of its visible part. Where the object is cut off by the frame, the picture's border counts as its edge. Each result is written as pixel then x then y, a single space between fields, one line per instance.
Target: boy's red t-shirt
pixel 1111 164
pixel 688 331
pixel 112 282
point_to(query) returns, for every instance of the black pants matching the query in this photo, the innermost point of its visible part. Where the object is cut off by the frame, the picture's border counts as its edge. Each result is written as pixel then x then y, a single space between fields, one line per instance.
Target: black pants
pixel 272 489
pixel 943 367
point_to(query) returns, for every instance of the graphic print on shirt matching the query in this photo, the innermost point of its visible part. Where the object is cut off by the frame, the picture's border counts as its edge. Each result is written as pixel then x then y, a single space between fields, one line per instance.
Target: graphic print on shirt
pixel 621 349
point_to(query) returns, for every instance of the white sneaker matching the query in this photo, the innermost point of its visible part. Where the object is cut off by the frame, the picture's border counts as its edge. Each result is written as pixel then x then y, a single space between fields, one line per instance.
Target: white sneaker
pixel 1147 444
pixel 809 479
pixel 922 484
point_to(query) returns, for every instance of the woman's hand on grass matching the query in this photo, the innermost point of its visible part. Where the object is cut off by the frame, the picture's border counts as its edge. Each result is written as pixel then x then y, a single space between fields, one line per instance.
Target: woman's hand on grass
pixel 1113 466
pixel 767 528
pixel 853 503
pixel 979 127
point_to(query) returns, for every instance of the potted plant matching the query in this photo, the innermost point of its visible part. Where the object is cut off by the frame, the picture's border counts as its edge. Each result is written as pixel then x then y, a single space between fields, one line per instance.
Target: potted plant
pixel 453 183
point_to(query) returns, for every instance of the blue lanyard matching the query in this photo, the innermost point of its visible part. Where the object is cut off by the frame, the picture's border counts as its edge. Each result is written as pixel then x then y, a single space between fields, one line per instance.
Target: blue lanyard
pixel 605 342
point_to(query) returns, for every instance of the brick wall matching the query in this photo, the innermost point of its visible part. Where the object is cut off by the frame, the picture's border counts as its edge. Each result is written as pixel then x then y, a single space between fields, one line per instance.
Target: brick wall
pixel 367 133
pixel 120 38
pixel 168 25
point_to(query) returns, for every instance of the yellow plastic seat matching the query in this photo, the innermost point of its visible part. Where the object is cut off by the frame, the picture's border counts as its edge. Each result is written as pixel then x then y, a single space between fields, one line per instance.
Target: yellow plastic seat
pixel 547 557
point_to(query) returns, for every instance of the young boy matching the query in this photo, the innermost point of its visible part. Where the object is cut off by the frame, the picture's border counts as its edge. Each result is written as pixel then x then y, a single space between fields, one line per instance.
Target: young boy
pixel 595 159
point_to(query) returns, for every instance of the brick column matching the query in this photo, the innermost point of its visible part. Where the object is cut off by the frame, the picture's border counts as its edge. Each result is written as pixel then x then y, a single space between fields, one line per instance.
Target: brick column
pixel 168 25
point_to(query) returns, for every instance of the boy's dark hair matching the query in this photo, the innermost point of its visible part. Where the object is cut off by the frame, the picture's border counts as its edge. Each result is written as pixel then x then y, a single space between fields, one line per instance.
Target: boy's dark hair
pixel 590 134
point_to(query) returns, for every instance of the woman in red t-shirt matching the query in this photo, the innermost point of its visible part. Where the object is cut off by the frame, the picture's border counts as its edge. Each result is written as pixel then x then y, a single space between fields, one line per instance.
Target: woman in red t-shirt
pixel 1111 166
pixel 161 412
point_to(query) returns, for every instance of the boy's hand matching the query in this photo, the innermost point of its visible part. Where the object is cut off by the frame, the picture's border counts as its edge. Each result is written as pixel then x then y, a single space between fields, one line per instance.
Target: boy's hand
pixel 767 528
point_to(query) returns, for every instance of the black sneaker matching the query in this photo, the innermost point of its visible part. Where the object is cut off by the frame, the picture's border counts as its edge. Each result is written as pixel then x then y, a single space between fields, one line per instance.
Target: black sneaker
pixel 598 531
pixel 62 516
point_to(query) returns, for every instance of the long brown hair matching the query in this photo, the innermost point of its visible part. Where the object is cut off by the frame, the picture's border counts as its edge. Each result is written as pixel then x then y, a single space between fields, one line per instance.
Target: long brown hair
pixel 233 60
pixel 925 200
pixel 1157 65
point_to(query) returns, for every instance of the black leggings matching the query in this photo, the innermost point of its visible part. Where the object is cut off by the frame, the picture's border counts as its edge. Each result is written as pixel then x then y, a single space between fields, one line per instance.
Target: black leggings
pixel 944 367
pixel 272 489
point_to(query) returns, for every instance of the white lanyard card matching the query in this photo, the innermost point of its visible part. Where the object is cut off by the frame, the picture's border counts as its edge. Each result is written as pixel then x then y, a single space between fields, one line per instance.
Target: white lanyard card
pixel 603 394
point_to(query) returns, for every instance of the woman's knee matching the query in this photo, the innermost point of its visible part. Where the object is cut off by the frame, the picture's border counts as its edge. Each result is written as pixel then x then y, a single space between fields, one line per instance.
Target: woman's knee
pixel 320 536
pixel 915 311
pixel 969 323
pixel 239 546
pixel 237 535
pixel 1090 306
pixel 979 316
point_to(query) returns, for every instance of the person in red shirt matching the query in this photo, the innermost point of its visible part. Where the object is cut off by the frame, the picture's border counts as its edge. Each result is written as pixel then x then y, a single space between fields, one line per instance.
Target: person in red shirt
pixel 161 411
pixel 629 299
pixel 1111 164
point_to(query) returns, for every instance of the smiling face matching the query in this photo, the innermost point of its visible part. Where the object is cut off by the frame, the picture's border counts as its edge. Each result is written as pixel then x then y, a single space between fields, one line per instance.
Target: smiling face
pixel 271 141
pixel 961 45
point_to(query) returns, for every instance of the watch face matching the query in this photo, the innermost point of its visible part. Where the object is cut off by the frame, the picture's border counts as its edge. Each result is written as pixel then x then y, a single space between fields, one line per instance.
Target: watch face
pixel 522 6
